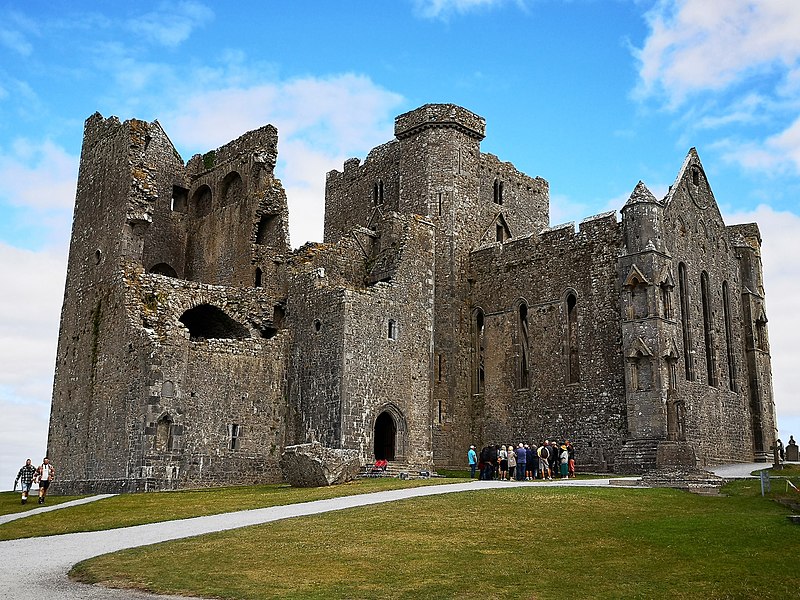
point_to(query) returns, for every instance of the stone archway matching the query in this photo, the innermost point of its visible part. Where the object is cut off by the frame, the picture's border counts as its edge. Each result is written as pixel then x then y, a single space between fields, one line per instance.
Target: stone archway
pixel 385 437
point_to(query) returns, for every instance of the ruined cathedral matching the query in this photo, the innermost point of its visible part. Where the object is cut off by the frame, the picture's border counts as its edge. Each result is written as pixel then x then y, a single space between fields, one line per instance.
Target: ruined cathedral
pixel 441 310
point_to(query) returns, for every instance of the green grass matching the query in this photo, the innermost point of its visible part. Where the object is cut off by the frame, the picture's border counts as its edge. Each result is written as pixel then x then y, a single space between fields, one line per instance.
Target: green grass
pixel 126 510
pixel 509 543
pixel 10 502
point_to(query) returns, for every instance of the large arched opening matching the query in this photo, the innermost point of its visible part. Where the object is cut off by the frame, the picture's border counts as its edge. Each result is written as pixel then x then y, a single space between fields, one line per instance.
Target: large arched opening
pixel 385 437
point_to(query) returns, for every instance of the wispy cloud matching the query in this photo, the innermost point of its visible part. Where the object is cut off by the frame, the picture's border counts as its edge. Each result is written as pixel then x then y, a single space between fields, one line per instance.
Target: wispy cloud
pixel 442 9
pixel 171 24
pixel 15 41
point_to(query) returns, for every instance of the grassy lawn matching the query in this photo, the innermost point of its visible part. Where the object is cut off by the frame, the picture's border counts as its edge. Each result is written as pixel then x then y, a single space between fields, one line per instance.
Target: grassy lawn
pixel 10 502
pixel 510 543
pixel 136 509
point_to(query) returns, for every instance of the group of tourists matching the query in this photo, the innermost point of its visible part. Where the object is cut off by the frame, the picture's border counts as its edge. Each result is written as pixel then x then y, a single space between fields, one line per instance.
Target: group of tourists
pixel 524 462
pixel 28 475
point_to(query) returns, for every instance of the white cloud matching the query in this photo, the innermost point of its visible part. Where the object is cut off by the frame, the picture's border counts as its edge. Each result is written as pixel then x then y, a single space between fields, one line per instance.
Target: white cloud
pixel 38 175
pixel 23 430
pixel 28 351
pixel 39 183
pixel 776 154
pixel 782 286
pixel 172 23
pixel 698 45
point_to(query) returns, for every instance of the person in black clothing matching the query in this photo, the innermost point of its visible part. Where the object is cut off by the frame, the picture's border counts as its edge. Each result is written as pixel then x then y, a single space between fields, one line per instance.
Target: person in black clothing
pixel 488 463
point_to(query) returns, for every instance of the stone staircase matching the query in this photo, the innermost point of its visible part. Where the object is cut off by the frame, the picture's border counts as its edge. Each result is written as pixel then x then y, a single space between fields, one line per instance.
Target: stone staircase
pixel 637 456
pixel 393 469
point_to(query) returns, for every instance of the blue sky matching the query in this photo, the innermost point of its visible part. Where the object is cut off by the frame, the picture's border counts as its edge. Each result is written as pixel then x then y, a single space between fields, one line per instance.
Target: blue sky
pixel 591 95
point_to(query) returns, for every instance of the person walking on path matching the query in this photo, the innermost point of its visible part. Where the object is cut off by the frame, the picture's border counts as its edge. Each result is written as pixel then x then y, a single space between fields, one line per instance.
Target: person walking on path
pixel 25 476
pixel 472 459
pixel 44 475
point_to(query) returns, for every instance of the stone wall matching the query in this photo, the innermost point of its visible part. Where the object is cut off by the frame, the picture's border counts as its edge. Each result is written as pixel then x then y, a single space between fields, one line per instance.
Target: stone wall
pixel 554 400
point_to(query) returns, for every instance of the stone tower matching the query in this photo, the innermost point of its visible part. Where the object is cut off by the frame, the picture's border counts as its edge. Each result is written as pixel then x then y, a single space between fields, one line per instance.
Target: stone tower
pixel 174 282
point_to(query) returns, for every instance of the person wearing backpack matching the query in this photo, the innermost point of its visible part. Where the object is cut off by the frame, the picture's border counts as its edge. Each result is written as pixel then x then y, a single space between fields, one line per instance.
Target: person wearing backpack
pixel 543 452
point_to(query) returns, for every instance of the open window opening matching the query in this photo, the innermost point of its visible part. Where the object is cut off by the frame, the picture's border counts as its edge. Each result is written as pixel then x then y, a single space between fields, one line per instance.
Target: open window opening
pixel 163 269
pixel 683 291
pixel 729 344
pixel 234 435
pixel 573 364
pixel 708 330
pixel 498 192
pixel 180 199
pixel 523 368
pixel 209 322
pixel 377 193
pixel 478 352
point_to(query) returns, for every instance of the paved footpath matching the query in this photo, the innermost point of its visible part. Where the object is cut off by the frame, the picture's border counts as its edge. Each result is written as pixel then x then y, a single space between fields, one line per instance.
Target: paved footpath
pixel 36 568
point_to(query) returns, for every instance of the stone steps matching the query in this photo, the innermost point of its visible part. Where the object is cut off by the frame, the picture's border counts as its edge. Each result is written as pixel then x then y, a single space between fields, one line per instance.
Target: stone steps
pixel 393 469
pixel 637 456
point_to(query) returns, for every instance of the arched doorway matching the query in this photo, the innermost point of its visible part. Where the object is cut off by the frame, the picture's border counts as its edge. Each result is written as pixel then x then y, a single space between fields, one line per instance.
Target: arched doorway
pixel 385 437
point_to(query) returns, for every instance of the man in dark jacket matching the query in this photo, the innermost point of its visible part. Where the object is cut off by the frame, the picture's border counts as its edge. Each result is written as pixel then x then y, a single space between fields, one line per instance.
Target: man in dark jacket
pixel 487 468
pixel 522 461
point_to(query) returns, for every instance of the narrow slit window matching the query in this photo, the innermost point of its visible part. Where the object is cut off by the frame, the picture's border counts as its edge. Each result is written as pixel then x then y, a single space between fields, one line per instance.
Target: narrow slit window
pixel 234 435
pixel 731 354
pixel 708 330
pixel 683 290
pixel 573 365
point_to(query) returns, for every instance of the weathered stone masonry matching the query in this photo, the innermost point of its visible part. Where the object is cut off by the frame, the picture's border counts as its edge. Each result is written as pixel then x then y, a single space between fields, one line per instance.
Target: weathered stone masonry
pixel 440 311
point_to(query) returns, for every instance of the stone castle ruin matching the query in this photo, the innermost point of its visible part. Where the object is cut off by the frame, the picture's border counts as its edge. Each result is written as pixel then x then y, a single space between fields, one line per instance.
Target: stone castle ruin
pixel 440 311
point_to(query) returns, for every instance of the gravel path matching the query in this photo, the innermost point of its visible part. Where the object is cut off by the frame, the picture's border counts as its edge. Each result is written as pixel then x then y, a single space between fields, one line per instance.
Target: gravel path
pixel 36 567
pixel 47 507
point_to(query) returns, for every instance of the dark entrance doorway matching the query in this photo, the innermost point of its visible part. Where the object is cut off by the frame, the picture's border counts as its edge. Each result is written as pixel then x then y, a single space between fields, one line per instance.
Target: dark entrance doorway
pixel 385 434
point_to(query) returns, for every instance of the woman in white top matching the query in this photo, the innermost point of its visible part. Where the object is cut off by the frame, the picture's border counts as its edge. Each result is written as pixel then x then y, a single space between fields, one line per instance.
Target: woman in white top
pixel 512 462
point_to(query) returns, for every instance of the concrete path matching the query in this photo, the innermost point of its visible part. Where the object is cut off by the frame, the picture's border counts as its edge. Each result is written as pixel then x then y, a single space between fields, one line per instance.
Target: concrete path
pixel 37 567
pixel 739 470
pixel 49 507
